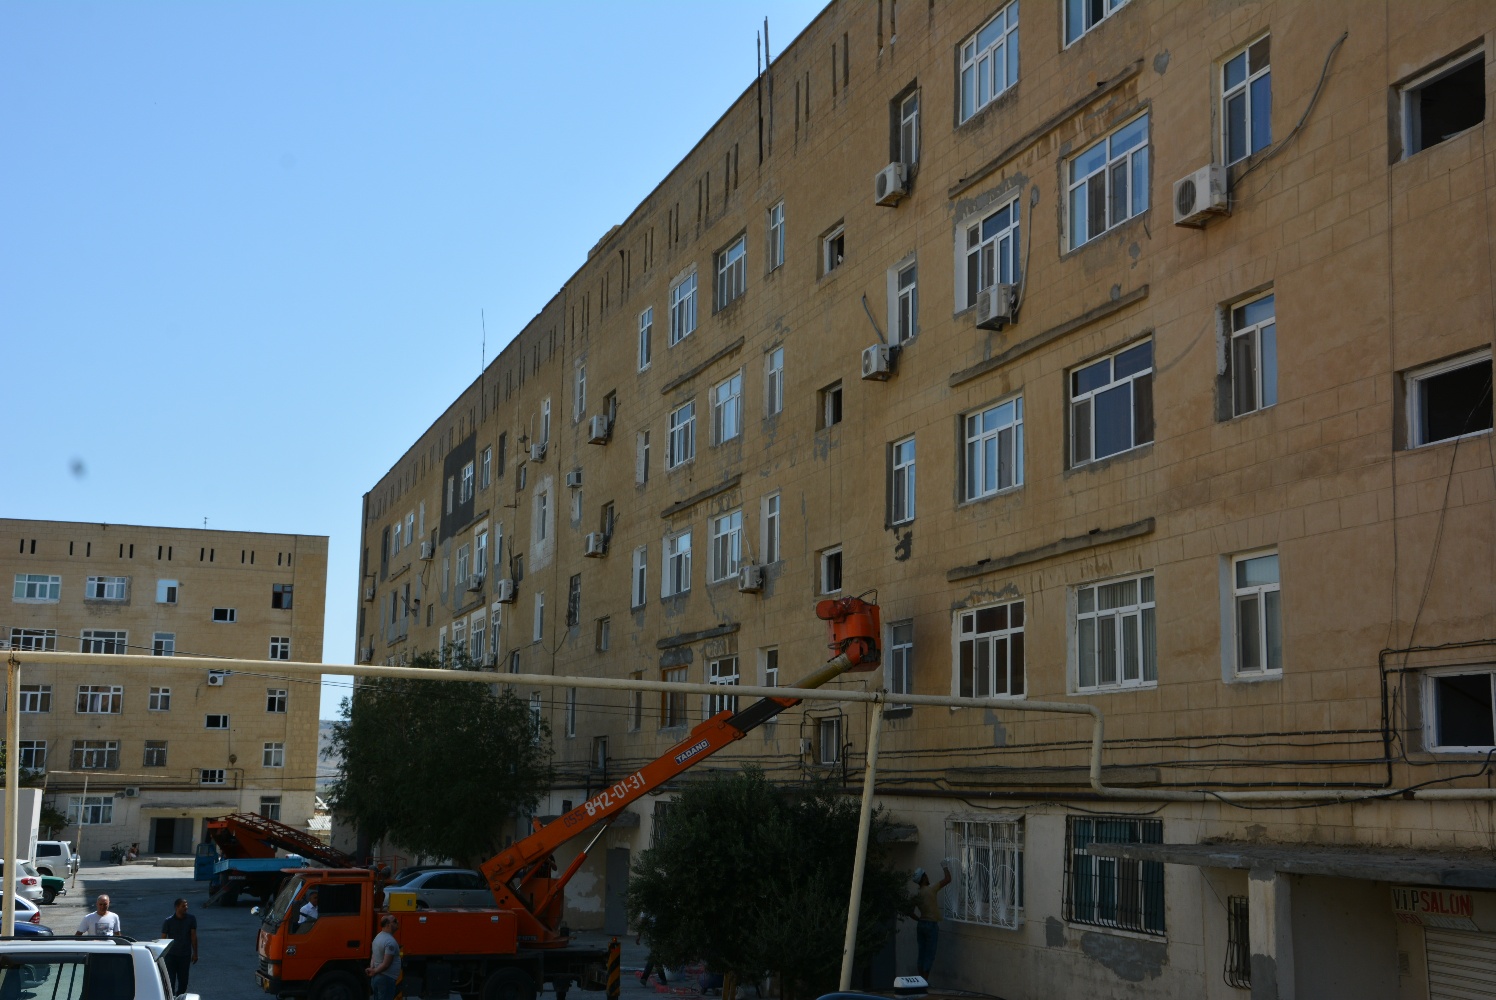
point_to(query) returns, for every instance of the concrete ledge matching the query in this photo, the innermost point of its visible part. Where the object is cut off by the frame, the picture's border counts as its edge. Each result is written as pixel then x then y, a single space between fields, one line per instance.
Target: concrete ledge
pixel 175 862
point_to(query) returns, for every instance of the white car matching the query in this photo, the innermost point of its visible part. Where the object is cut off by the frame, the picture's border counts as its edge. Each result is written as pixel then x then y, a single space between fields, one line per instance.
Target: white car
pixel 55 967
pixel 29 881
pixel 56 857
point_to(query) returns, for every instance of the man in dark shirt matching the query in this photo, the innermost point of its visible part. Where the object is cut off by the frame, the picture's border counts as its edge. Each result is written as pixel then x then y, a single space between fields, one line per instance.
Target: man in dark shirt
pixel 181 927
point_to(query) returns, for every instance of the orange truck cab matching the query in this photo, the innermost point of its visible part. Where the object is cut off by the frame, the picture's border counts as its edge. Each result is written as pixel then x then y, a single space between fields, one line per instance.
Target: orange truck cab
pixel 472 951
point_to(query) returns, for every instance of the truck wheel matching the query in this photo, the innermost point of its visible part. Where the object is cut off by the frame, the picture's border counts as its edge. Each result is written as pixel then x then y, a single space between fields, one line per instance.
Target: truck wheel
pixel 337 986
pixel 509 984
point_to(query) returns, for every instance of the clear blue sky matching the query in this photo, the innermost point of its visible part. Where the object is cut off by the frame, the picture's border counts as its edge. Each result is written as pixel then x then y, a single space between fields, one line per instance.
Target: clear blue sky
pixel 244 247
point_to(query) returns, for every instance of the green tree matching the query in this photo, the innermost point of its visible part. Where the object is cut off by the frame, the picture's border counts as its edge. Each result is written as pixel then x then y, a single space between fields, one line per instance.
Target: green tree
pixel 440 767
pixel 753 878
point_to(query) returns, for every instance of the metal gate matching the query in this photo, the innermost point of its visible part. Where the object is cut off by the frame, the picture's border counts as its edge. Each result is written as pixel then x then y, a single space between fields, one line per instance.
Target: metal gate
pixel 1461 964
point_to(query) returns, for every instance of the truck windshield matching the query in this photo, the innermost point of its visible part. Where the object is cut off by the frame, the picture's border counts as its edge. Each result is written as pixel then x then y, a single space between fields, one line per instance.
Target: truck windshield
pixel 282 903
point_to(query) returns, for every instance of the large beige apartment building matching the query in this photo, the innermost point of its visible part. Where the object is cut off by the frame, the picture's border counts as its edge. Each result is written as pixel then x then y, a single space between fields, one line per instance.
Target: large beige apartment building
pixel 147 756
pixel 976 308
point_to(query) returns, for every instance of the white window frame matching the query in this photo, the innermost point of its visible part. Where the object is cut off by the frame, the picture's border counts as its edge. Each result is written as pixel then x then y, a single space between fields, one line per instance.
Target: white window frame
pixel 1107 638
pixel 993 444
pixel 831 566
pixel 538 633
pixel 465 493
pixel 164 644
pixel 636 705
pixel 37 588
pixel 902 493
pixel 542 515
pixel 212 776
pixel 410 522
pixel 829 741
pixel 480 553
pixel 485 479
pixel 1263 594
pixel 395 537
pixel 35 699
pixel 33 638
pixel 1134 158
pixel 91 810
pixel 465 553
pixel 1252 332
pixel 641 458
pixel 833 405
pixel 107 588
pixel 727 546
pixel 1086 401
pixel 639 575
pixel 776 235
pixel 909 128
pixel 579 399
pixel 903 300
pixel 770 528
pixel 646 337
pixel 571 713
pixel 545 421
pixel 29 751
pixel 1087 16
pixel 167 591
pixel 1409 108
pixel 732 272
pixel 988 855
pixel 1244 94
pixel 280 647
pixel 273 755
pixel 683 307
pixel 159 700
pixel 90 752
pixel 675 575
pixel 100 699
pixel 673 706
pixel 998 636
pixel 1431 708
pixel 768 666
pixel 105 640
pixel 1414 388
pixel 225 616
pixel 900 670
pixel 727 408
pixel 988 251
pixel 722 671
pixel 831 259
pixel 222 721
pixel 275 700
pixel 681 443
pixel 774 381
pixel 988 62
pixel 154 754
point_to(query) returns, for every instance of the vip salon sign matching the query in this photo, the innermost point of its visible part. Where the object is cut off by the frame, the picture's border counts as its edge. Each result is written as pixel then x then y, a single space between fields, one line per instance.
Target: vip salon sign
pixel 1448 908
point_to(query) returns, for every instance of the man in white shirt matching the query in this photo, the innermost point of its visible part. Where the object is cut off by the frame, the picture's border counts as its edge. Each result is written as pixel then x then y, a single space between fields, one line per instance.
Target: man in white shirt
pixel 101 922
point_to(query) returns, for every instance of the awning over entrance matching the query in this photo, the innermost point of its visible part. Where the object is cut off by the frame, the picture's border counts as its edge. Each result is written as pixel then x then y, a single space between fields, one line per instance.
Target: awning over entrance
pixel 1452 868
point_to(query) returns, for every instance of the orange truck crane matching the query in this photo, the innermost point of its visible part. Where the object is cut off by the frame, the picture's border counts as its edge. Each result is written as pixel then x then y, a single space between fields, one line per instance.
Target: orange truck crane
pixel 510 950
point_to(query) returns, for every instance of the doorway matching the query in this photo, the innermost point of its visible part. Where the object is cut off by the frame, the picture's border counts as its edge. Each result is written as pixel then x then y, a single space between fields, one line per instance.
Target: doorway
pixel 171 835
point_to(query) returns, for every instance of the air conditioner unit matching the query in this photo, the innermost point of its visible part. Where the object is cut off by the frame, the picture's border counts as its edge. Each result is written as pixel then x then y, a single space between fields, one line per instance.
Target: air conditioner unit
pixel 503 591
pixel 995 307
pixel 369 591
pixel 877 362
pixel 599 429
pixel 475 583
pixel 1201 195
pixel 596 544
pixel 805 746
pixel 574 479
pixel 132 792
pixel 891 184
pixel 751 579
pixel 215 679
pixel 537 452
pixel 427 550
pixel 366 655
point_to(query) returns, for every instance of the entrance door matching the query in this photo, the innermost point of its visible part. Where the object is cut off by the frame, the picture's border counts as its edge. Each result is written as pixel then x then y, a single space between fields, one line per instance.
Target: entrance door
pixel 1461 964
pixel 181 841
pixel 163 835
pixel 615 912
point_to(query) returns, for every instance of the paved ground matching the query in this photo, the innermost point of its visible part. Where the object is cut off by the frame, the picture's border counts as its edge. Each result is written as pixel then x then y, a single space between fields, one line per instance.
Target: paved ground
pixel 142 895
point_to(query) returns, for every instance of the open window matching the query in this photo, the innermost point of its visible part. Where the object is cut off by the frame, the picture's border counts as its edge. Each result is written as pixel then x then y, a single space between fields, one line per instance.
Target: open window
pixel 1444 102
pixel 1450 399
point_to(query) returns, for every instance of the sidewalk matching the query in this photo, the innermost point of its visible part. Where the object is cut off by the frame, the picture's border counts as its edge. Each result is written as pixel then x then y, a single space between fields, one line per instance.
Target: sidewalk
pixel 631 961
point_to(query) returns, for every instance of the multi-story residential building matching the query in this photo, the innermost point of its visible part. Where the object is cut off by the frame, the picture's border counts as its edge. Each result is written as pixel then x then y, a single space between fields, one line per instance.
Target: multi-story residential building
pixel 147 755
pixel 979 311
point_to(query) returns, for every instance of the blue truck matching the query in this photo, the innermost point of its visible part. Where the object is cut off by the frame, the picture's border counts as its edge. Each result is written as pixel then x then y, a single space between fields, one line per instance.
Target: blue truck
pixel 230 878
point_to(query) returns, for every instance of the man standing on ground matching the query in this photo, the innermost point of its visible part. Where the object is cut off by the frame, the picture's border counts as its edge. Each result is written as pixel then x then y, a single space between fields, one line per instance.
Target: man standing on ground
pixel 384 963
pixel 927 914
pixel 181 927
pixel 101 922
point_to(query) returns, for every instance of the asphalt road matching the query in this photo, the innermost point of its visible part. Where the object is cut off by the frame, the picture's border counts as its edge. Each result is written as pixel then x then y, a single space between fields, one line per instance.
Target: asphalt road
pixel 142 895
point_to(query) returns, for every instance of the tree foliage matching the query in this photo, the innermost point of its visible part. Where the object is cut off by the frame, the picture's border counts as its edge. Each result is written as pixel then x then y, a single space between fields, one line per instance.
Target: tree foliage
pixel 753 879
pixel 440 767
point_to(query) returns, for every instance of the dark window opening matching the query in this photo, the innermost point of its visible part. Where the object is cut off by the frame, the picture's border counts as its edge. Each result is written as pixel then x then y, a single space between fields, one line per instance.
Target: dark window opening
pixel 1462 711
pixel 1453 403
pixel 1238 971
pixel 1446 106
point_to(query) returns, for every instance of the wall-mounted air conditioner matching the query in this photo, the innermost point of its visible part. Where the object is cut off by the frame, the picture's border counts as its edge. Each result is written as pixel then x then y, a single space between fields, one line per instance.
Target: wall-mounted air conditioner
pixel 877 362
pixel 751 579
pixel 475 583
pixel 427 550
pixel 503 591
pixel 596 544
pixel 599 429
pixel 216 678
pixel 132 792
pixel 574 479
pixel 1201 196
pixel 891 184
pixel 369 591
pixel 537 452
pixel 995 306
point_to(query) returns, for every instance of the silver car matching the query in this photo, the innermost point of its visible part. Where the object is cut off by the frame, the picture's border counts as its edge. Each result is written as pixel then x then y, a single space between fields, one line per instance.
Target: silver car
pixel 29 881
pixel 441 888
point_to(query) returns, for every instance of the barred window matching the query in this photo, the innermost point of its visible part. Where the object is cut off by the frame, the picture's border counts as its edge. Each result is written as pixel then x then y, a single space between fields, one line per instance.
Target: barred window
pixel 989 860
pixel 92 755
pixel 1113 892
pixel 155 754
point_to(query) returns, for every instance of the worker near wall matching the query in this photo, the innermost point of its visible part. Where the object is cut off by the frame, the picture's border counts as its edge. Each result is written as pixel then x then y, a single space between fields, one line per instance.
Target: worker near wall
pixel 927 916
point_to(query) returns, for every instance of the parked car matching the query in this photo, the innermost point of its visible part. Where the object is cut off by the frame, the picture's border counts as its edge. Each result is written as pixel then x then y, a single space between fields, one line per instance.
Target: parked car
pixel 443 887
pixel 117 966
pixel 56 857
pixel 52 885
pixel 24 928
pixel 26 911
pixel 28 881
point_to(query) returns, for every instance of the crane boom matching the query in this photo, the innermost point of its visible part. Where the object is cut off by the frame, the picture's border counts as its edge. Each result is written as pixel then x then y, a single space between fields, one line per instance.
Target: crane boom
pixel 536 898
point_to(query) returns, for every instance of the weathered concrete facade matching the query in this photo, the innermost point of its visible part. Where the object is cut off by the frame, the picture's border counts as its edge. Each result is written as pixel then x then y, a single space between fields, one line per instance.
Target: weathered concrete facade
pixel 163 750
pixel 1269 561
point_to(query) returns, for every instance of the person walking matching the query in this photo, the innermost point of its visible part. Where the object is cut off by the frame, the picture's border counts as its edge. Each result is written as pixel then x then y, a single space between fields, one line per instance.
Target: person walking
pixel 181 927
pixel 384 962
pixel 927 916
pixel 651 964
pixel 101 922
